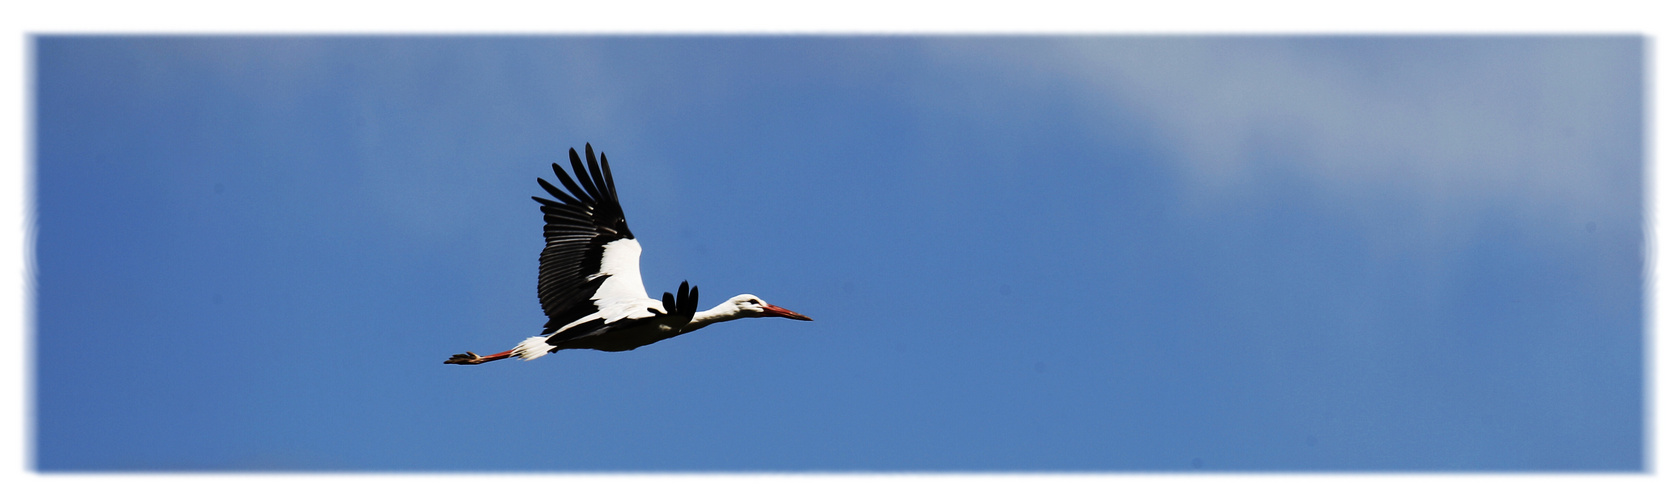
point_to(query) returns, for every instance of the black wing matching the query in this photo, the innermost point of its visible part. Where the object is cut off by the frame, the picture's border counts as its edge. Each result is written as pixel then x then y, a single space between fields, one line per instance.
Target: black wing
pixel 684 304
pixel 577 229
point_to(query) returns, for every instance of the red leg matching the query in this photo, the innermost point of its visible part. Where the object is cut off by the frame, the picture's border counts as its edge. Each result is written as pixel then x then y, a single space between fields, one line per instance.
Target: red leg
pixel 471 358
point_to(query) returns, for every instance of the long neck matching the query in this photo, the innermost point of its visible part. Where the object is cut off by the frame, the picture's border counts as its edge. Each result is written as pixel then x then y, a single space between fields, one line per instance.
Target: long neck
pixel 723 312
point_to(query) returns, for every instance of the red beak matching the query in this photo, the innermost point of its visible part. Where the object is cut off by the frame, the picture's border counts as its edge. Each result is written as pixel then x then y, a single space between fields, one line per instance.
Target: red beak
pixel 769 310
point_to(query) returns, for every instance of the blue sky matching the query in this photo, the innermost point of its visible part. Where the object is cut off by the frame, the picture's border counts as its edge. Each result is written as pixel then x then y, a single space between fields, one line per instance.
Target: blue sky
pixel 1022 253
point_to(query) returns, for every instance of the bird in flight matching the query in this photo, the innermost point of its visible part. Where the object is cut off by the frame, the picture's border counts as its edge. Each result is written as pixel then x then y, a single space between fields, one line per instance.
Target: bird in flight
pixel 590 277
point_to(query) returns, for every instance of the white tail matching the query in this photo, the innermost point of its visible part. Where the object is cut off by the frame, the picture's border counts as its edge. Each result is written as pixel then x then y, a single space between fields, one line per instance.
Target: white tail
pixel 532 348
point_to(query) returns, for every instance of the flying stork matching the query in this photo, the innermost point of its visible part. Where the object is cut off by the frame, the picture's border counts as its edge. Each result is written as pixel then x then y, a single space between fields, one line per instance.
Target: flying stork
pixel 590 277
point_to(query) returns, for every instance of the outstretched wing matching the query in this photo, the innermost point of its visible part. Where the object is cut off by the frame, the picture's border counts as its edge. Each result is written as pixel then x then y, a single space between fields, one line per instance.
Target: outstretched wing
pixel 589 246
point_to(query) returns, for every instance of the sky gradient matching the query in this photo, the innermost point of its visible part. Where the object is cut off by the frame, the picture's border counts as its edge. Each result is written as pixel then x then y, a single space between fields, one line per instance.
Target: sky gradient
pixel 1022 253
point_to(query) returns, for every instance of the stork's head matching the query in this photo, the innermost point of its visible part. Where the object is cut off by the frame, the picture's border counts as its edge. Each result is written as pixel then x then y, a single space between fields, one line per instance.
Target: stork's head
pixel 749 306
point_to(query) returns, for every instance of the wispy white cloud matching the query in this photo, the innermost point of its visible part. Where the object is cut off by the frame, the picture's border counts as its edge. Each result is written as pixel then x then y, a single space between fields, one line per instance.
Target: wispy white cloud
pixel 1547 123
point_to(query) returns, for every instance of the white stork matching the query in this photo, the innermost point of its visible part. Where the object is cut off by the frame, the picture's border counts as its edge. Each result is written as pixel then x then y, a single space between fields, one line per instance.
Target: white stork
pixel 590 277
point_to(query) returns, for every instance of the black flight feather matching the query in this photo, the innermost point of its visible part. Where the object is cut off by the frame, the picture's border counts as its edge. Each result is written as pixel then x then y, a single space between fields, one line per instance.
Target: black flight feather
pixel 594 173
pixel 611 187
pixel 581 194
pixel 583 177
pixel 564 199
